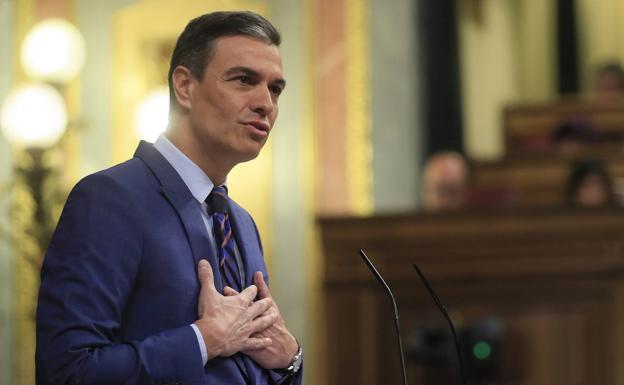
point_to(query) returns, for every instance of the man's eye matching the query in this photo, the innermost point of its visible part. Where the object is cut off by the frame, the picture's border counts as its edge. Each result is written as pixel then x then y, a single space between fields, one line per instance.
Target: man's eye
pixel 244 79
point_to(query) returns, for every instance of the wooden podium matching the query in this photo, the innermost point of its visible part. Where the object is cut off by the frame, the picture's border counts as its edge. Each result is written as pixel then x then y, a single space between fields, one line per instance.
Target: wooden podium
pixel 554 277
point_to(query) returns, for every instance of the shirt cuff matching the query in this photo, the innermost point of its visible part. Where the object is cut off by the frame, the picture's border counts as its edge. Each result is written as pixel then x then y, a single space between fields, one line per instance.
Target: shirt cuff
pixel 202 345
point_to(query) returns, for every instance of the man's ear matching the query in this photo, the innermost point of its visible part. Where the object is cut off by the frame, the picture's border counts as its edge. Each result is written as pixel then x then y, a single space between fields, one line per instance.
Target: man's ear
pixel 182 81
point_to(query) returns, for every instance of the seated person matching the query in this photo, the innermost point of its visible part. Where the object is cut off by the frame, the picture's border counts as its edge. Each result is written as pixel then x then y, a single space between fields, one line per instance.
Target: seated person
pixel 609 81
pixel 589 185
pixel 572 137
pixel 445 178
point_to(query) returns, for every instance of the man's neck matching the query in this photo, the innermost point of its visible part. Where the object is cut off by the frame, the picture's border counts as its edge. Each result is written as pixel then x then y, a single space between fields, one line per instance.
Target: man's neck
pixel 207 161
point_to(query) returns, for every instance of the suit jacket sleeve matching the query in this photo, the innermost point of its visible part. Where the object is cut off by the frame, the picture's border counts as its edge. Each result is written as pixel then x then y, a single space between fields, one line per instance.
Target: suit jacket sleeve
pixel 87 279
pixel 279 378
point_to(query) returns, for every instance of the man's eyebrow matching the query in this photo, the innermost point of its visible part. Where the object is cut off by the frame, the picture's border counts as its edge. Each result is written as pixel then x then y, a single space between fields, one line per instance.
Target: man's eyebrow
pixel 242 70
pixel 239 70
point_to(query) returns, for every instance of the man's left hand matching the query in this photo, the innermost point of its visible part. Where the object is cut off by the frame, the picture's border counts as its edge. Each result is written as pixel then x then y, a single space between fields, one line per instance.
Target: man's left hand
pixel 284 346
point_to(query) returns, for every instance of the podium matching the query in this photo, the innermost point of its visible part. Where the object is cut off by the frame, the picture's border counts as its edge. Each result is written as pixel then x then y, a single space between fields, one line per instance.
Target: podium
pixel 553 277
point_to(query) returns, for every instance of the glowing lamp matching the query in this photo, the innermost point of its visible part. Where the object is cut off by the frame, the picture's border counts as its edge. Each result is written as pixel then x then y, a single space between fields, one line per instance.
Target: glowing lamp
pixel 33 116
pixel 54 51
pixel 151 115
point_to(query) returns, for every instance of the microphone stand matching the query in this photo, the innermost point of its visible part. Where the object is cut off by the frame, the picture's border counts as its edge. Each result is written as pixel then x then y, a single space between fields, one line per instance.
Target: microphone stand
pixel 396 311
pixel 448 319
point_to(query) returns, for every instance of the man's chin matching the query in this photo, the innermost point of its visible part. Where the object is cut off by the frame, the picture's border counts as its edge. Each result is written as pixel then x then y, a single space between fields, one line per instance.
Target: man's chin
pixel 250 155
pixel 249 151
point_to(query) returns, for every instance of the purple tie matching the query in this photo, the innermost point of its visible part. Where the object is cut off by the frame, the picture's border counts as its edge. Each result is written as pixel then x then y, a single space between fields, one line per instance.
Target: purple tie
pixel 217 203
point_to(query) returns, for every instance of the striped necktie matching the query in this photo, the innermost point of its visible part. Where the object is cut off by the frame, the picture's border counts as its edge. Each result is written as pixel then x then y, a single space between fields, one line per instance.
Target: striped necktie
pixel 217 203
pixel 218 207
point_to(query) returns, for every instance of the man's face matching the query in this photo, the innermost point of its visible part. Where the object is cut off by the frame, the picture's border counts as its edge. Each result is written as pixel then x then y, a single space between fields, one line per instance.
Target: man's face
pixel 233 108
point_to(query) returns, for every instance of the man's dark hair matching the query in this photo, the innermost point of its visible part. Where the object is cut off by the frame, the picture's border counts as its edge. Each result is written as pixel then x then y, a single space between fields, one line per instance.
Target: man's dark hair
pixel 195 46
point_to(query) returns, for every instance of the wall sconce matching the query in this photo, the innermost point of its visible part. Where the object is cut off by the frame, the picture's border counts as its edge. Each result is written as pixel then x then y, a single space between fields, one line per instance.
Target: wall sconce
pixel 33 119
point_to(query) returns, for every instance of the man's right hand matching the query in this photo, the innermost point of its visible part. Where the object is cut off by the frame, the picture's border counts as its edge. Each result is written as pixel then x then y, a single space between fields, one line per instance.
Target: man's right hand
pixel 227 323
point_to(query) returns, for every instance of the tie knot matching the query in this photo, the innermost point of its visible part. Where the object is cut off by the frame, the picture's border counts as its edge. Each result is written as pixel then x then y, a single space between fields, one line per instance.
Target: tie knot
pixel 217 201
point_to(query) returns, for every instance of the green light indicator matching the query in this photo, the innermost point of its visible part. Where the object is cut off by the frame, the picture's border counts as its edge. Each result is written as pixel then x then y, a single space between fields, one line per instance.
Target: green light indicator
pixel 482 350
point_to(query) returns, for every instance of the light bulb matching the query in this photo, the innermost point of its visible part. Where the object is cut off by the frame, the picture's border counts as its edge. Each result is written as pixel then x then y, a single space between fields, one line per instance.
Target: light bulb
pixel 152 114
pixel 54 51
pixel 33 115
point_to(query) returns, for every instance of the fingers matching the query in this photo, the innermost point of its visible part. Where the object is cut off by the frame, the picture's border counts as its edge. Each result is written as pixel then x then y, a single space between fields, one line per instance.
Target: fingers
pixel 204 272
pixel 263 289
pixel 259 307
pixel 206 280
pixel 254 343
pixel 260 324
pixel 249 293
pixel 229 292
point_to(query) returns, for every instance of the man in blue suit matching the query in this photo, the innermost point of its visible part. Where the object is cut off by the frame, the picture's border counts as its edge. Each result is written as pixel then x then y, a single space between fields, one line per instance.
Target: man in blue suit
pixel 155 276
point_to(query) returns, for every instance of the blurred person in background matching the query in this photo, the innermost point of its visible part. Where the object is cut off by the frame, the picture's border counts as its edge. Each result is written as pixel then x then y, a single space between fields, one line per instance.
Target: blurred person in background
pixel 589 185
pixel 445 179
pixel 572 137
pixel 609 81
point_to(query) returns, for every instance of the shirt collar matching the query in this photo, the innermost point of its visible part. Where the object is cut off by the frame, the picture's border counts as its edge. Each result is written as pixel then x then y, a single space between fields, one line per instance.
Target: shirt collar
pixel 195 179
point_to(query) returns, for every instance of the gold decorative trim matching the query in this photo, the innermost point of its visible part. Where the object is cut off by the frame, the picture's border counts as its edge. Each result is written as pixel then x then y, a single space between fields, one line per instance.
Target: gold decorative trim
pixel 316 341
pixel 358 106
pixel 71 141
pixel 25 277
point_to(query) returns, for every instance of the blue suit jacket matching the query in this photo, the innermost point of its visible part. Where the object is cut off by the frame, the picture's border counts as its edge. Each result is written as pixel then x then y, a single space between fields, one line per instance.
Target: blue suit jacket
pixel 119 284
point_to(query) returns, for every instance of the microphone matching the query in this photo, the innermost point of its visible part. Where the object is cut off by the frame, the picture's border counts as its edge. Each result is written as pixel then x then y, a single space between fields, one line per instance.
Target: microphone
pixel 396 311
pixel 436 300
pixel 440 306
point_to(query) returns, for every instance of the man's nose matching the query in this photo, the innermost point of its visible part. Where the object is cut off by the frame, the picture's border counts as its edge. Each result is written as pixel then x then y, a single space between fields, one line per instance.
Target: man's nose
pixel 262 101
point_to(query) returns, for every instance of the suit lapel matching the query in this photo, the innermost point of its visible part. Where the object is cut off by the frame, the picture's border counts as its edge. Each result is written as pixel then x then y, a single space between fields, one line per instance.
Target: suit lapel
pixel 180 197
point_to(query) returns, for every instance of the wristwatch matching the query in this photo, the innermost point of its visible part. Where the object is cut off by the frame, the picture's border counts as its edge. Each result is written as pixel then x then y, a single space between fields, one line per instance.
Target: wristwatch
pixel 296 362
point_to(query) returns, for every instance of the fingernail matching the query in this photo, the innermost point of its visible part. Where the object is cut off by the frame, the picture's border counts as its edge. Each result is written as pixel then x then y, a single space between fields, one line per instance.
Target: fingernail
pixel 203 263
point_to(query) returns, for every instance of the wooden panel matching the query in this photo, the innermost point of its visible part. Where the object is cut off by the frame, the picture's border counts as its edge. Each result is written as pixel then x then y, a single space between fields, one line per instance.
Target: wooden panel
pixel 528 127
pixel 537 180
pixel 553 278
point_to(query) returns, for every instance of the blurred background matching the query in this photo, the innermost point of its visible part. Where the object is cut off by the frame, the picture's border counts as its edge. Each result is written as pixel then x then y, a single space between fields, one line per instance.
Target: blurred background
pixel 482 138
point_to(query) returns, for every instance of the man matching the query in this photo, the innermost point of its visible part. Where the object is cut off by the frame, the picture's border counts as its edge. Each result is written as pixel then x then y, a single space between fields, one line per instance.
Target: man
pixel 445 178
pixel 609 81
pixel 153 275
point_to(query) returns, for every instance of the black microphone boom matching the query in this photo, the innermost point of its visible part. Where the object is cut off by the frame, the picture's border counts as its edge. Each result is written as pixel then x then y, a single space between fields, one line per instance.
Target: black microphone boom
pixel 396 311
pixel 448 319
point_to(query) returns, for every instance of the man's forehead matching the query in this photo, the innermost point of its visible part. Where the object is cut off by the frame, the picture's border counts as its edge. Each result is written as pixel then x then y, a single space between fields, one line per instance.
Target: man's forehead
pixel 241 46
pixel 240 53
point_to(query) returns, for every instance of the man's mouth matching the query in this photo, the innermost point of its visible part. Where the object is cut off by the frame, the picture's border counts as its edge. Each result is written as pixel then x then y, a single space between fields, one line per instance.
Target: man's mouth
pixel 259 127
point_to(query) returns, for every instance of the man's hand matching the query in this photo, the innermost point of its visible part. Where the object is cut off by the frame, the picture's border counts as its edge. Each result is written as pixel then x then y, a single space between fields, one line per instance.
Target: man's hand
pixel 283 347
pixel 228 324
